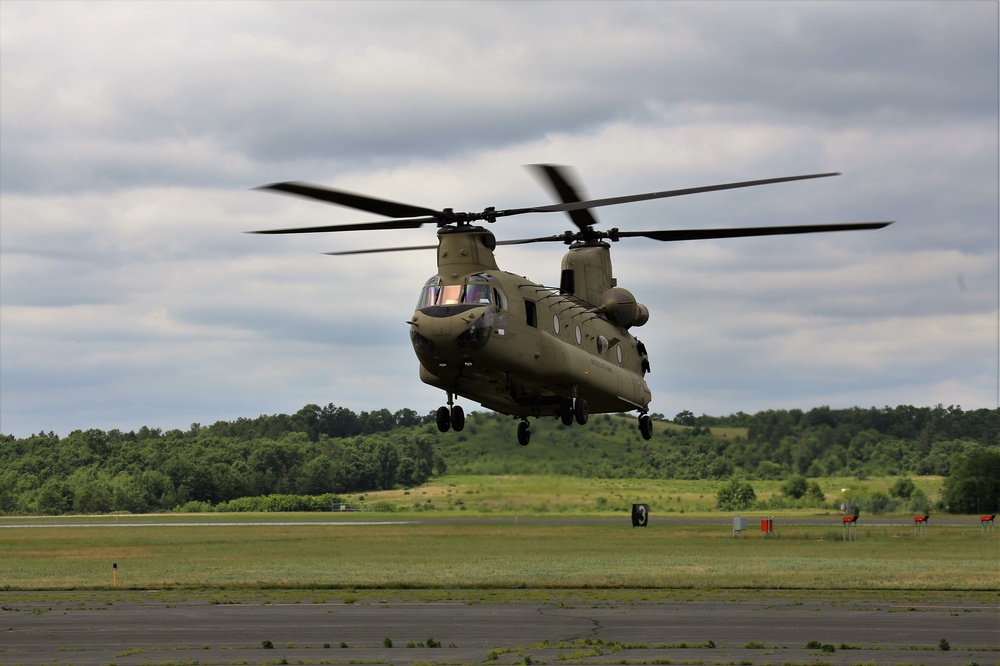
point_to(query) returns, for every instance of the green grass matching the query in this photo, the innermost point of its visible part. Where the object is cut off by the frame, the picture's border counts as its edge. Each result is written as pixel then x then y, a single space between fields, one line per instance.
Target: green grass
pixel 466 555
pixel 524 494
pixel 510 552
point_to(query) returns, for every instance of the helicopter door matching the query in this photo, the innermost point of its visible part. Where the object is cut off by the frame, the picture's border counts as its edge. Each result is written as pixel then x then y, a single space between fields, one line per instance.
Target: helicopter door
pixel 531 313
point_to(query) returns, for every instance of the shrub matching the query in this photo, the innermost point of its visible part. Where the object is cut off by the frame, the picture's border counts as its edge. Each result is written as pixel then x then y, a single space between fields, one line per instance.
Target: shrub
pixel 735 495
pixel 903 488
pixel 795 487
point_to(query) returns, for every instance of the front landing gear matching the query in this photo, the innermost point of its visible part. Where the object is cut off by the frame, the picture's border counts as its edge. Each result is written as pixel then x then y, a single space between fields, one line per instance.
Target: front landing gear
pixel 450 416
pixel 523 433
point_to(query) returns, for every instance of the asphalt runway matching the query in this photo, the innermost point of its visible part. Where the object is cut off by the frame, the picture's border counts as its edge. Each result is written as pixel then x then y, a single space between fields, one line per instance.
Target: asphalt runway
pixel 86 628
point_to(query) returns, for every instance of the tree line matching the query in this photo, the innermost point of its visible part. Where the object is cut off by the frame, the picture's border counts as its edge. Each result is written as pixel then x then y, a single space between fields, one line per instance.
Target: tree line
pixel 313 452
pixel 323 450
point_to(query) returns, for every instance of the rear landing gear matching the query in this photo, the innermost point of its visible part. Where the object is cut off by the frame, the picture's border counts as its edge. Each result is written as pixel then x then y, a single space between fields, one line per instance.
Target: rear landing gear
pixel 573 409
pixel 646 426
pixel 523 433
pixel 566 411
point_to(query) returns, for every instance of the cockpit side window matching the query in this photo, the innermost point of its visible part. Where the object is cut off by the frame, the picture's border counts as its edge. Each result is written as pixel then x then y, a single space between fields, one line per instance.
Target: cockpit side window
pixel 430 293
pixel 500 299
pixel 477 293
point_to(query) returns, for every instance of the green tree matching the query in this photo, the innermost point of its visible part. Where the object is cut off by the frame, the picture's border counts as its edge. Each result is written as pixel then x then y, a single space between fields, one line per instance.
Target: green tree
pixel 54 498
pixel 974 483
pixel 815 494
pixel 735 495
pixel 686 418
pixel 770 470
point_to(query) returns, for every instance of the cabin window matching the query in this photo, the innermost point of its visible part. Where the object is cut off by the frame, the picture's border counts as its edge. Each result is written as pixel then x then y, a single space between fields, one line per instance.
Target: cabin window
pixel 618 350
pixel 531 313
pixel 602 344
pixel 579 335
pixel 555 324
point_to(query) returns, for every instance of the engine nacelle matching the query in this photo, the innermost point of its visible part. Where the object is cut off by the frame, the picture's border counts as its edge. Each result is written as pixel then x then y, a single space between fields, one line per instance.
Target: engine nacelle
pixel 620 307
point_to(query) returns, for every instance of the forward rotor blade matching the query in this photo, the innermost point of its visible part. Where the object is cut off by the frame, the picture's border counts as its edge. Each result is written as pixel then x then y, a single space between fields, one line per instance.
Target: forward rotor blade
pixel 702 234
pixel 382 249
pixel 596 203
pixel 350 200
pixel 521 241
pixel 360 226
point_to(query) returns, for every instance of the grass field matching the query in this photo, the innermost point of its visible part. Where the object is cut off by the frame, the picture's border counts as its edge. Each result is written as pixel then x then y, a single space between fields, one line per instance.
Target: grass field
pixel 477 555
pixel 492 533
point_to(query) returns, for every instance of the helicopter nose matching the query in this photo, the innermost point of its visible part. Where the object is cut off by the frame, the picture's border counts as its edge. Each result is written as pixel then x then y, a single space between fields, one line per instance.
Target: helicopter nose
pixel 450 338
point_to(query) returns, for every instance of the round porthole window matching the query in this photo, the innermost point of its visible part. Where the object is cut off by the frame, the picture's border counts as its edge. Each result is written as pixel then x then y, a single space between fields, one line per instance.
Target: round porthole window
pixel 618 350
pixel 555 324
pixel 579 336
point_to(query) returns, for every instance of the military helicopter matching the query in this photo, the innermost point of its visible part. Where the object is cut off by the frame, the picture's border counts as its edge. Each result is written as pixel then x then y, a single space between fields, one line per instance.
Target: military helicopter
pixel 520 347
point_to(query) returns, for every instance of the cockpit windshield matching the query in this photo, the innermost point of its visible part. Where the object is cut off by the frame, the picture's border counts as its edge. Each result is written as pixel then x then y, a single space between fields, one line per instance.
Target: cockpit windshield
pixel 478 290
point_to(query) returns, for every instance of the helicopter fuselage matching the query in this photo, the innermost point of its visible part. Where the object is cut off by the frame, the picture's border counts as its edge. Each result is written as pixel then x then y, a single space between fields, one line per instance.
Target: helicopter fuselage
pixel 519 347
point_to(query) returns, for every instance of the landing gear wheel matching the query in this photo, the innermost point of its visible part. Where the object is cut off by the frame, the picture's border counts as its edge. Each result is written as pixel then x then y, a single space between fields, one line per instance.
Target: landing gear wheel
pixel 443 419
pixel 457 418
pixel 566 412
pixel 523 433
pixel 646 426
pixel 581 411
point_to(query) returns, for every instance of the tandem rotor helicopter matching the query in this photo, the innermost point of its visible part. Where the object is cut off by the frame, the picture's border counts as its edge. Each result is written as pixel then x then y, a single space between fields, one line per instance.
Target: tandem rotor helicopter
pixel 519 347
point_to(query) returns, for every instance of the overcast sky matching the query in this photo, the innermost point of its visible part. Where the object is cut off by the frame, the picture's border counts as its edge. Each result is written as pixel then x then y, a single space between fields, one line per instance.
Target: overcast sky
pixel 131 134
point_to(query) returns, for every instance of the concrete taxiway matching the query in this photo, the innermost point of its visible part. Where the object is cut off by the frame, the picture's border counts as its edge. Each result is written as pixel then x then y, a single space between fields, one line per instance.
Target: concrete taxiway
pixel 765 630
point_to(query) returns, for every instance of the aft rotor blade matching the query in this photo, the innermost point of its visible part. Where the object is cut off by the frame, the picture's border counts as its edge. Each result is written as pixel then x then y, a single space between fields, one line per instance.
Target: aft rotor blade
pixel 350 199
pixel 561 238
pixel 596 203
pixel 561 181
pixel 703 234
pixel 359 226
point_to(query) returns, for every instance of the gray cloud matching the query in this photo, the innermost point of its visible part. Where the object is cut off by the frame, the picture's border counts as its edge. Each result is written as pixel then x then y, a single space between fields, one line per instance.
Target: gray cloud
pixel 128 296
